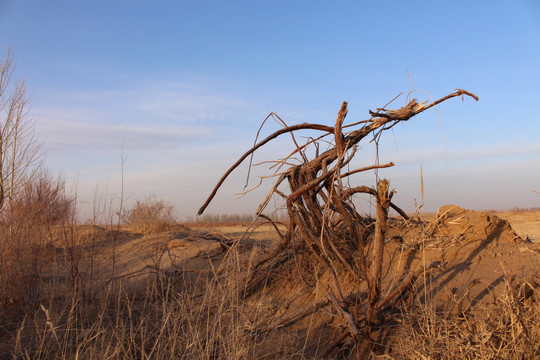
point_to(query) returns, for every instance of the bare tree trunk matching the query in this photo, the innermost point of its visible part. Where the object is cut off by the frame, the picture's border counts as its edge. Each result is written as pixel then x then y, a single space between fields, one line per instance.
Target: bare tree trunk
pixel 383 203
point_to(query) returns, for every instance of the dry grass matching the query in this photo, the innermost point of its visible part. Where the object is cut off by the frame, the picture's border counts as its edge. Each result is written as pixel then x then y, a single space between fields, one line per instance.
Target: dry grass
pixel 55 307
pixel 57 303
pixel 198 317
pixel 508 329
pixel 216 325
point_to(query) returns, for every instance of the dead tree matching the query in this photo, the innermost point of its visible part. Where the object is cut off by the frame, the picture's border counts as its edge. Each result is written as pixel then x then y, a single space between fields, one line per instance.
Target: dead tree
pixel 322 215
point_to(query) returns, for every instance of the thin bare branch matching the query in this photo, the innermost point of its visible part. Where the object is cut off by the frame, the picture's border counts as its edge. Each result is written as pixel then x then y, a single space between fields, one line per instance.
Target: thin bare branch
pixel 254 148
pixel 367 168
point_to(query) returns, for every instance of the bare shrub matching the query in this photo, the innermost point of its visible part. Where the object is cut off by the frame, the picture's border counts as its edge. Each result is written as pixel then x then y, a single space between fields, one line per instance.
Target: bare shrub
pixel 20 150
pixel 43 199
pixel 20 155
pixel 150 216
pixel 26 234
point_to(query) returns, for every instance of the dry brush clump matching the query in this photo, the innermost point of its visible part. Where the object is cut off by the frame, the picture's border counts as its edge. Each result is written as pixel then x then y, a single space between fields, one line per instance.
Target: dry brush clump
pixel 150 216
pixel 30 231
pixel 42 198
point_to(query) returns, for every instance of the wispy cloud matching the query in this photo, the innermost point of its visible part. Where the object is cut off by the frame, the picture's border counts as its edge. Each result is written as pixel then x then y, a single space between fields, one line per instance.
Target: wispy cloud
pixel 188 104
pixel 153 115
pixel 181 137
pixel 63 131
pixel 427 154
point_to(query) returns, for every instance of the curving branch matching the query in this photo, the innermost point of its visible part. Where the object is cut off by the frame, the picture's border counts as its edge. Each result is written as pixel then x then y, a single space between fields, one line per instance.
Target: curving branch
pixel 254 148
pixel 342 143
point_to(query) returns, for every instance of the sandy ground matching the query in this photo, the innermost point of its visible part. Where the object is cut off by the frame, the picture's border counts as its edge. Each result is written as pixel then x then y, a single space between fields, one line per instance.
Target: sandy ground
pixel 460 238
pixel 525 223
pixel 478 254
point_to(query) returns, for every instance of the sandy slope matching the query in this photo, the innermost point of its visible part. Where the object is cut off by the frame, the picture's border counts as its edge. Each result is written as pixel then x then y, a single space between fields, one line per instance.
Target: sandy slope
pixel 525 223
pixel 475 249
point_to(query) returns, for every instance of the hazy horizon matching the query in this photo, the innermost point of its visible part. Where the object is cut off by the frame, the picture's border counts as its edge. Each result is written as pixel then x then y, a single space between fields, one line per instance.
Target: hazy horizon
pixel 175 93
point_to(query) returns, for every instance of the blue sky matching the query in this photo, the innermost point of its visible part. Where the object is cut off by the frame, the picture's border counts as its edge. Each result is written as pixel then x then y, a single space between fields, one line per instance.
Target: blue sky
pixel 183 86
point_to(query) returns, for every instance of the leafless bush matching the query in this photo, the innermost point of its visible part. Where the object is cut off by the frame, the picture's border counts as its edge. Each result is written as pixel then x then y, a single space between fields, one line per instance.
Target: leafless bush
pixel 43 199
pixel 20 150
pixel 150 215
pixel 29 198
pixel 27 230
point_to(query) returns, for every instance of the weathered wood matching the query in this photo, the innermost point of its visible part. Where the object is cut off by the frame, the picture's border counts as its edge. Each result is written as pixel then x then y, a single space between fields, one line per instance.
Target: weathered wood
pixel 401 289
pixel 322 216
pixel 383 197
pixel 349 318
pixel 349 141
pixel 254 148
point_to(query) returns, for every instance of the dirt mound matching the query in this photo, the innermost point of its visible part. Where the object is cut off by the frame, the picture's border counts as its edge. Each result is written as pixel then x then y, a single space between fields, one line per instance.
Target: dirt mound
pixel 454 223
pixel 477 249
pixel 178 253
pixel 475 256
pixel 472 257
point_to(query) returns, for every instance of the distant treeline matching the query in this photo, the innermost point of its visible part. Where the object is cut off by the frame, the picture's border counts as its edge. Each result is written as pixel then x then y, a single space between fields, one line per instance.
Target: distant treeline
pixel 230 218
pixel 518 209
pixel 225 218
pixel 514 209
